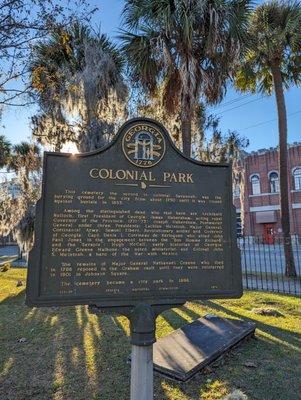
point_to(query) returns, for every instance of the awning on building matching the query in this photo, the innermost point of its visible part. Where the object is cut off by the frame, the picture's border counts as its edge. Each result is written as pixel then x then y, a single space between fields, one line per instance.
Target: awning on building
pixel 266 217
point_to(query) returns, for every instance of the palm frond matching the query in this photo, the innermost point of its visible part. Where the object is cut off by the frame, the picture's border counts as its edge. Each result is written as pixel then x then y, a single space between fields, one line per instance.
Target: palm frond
pixel 5 150
pixel 198 42
pixel 274 40
pixel 141 56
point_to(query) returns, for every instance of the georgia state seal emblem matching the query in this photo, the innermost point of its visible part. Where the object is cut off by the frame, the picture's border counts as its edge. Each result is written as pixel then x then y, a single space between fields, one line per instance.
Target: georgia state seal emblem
pixel 143 145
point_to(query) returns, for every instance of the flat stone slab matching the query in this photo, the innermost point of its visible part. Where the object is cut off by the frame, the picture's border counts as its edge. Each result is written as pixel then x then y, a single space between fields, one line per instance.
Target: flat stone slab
pixel 186 351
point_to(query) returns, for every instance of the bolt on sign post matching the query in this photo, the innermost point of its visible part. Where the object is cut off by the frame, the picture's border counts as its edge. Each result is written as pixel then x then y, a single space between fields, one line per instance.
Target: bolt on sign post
pixel 134 228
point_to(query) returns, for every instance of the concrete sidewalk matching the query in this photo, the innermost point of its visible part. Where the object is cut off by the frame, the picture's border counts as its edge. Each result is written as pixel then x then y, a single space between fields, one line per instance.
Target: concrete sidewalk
pixel 267 258
pixel 11 254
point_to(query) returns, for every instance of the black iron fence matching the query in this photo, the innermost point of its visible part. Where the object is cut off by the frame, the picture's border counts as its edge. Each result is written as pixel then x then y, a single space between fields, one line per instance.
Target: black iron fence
pixel 262 259
pixel 263 264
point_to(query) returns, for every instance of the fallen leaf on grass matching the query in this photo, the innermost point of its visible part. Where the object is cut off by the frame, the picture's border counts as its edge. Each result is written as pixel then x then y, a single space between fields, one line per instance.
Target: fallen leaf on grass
pixel 267 312
pixel 236 395
pixel 250 364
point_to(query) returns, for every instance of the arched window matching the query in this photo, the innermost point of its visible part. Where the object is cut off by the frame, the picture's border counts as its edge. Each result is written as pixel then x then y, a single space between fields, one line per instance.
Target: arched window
pixel 297 178
pixel 255 182
pixel 274 182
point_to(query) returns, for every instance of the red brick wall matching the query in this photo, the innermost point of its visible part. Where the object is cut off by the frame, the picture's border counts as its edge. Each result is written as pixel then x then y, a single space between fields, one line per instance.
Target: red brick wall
pixel 262 163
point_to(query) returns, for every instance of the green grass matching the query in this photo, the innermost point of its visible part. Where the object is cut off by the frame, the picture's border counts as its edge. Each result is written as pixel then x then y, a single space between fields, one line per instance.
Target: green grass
pixel 69 354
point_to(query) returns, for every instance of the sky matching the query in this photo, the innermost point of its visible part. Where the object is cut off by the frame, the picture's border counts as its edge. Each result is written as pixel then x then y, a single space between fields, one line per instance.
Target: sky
pixel 252 116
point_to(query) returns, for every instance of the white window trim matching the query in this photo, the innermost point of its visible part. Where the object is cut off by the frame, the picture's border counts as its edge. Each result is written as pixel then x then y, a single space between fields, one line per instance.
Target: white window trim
pixel 265 194
pixel 265 208
pixel 293 169
pixel 273 207
pixel 259 184
pixel 269 178
pixel 255 174
pixel 271 172
pixel 294 182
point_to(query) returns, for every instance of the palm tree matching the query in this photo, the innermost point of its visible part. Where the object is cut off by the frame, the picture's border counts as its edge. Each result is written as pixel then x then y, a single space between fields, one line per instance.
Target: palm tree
pixel 5 148
pixel 273 63
pixel 25 157
pixel 188 46
pixel 78 79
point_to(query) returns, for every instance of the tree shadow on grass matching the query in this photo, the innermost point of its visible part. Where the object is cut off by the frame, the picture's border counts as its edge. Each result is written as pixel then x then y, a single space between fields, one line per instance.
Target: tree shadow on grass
pixel 70 354
pixel 292 338
pixel 17 299
pixel 170 320
pixel 64 353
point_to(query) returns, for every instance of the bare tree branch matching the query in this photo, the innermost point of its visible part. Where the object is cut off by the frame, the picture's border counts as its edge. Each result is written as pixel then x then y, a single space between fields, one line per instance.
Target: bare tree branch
pixel 22 23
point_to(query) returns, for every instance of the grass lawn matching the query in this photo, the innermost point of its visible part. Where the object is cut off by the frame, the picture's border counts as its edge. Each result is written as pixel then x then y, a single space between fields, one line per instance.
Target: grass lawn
pixel 68 354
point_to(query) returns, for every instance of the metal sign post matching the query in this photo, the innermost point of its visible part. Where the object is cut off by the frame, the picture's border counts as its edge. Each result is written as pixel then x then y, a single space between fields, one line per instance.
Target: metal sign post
pixel 143 329
pixel 142 373
pixel 143 335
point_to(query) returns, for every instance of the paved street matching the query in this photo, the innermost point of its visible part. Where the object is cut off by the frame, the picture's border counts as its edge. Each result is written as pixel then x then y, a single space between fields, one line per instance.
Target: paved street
pixel 267 258
pixel 11 254
pixel 263 267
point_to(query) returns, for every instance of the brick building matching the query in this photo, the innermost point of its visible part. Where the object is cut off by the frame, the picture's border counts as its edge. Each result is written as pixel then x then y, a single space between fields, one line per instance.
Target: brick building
pixel 261 193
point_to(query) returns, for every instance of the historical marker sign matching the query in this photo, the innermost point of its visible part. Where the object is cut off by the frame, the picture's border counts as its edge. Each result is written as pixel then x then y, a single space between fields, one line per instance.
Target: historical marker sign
pixel 134 222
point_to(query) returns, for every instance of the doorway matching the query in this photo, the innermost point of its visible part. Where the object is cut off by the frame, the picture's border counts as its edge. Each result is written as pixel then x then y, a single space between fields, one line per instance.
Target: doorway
pixel 268 234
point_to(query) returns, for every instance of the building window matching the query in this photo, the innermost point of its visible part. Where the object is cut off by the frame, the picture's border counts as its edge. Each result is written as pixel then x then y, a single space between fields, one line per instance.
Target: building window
pixel 297 178
pixel 255 182
pixel 274 182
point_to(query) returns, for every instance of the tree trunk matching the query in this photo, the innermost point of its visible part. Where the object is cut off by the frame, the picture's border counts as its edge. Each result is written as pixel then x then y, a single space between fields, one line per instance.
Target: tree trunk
pixel 57 147
pixel 186 137
pixel 290 269
pixel 242 187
